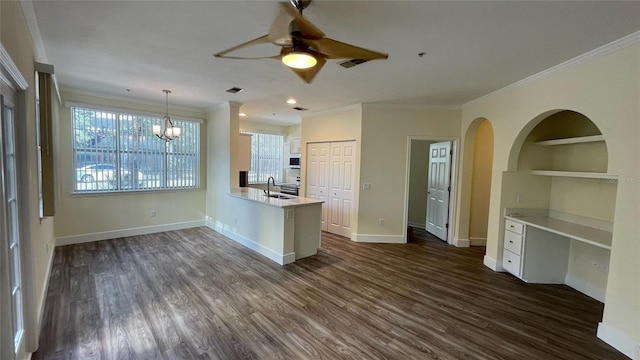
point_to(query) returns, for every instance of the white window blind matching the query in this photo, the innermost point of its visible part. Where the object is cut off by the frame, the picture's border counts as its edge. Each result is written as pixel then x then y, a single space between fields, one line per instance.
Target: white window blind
pixel 115 151
pixel 266 157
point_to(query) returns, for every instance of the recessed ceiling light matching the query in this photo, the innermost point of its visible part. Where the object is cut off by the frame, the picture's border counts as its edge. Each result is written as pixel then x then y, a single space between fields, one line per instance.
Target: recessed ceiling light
pixel 291 101
pixel 242 114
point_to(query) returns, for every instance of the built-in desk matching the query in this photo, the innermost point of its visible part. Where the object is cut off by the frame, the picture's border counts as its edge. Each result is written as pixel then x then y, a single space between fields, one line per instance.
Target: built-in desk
pixel 537 246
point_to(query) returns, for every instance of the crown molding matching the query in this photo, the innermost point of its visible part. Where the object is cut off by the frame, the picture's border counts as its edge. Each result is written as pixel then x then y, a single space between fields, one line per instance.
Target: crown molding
pixel 397 106
pixel 134 101
pixel 10 71
pixel 333 110
pixel 602 51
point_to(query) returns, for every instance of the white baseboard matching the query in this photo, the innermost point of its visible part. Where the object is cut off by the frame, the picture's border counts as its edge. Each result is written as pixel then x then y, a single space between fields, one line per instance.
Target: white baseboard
pixel 477 241
pixel 619 341
pixel 586 288
pixel 43 297
pixel 461 242
pixel 385 239
pixel 492 263
pixel 114 234
pixel 281 259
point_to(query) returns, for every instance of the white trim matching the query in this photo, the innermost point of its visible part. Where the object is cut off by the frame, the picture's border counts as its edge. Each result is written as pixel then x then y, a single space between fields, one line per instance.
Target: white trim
pixel 461 242
pixel 586 288
pixel 375 238
pixel 43 297
pixel 129 111
pixel 281 259
pixel 113 234
pixel 618 340
pixel 602 51
pixel 16 79
pixel 493 264
pixel 333 111
pixel 477 241
pixel 398 106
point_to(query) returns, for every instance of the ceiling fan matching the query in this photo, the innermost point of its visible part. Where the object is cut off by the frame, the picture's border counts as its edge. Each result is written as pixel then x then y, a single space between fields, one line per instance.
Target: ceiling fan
pixel 304 47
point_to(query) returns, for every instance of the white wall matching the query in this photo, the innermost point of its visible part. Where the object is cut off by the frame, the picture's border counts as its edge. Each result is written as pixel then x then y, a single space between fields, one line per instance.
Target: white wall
pixel 606 90
pixel 88 217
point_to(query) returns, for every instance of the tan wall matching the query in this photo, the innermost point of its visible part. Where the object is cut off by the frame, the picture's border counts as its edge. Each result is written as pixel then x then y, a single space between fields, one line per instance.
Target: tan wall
pixel 81 215
pixel 383 161
pixel 607 91
pixel 38 248
pixel 481 182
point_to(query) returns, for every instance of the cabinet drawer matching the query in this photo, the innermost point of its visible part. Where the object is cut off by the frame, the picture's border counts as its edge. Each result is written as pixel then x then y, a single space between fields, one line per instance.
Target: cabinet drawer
pixel 513 242
pixel 511 262
pixel 516 227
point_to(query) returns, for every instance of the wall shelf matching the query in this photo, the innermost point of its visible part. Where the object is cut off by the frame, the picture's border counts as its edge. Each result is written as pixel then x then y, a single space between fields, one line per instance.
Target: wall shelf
pixel 574 174
pixel 573 140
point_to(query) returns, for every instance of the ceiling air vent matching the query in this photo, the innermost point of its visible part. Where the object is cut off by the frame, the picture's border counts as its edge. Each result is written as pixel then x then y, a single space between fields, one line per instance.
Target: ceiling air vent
pixel 235 90
pixel 351 63
pixel 300 108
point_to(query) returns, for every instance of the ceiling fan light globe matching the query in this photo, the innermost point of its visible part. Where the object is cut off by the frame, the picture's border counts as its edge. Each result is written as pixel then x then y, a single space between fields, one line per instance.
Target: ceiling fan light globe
pixel 299 60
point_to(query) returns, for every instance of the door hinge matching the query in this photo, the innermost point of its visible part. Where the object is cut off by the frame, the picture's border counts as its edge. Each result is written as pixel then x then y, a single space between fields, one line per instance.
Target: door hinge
pixel 449 188
pixel 447 226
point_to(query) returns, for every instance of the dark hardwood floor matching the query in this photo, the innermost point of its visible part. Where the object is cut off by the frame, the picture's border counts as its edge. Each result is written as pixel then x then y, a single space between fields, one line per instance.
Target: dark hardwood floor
pixel 193 294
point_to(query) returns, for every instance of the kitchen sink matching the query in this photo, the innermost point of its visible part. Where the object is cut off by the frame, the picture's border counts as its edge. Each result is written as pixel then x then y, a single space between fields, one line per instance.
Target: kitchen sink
pixel 278 196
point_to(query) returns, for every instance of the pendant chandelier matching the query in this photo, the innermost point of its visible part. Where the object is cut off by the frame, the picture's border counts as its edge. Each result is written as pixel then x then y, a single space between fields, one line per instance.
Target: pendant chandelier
pixel 170 132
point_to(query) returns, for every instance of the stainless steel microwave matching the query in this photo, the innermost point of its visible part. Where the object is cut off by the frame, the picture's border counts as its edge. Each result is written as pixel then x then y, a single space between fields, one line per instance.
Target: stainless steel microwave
pixel 294 161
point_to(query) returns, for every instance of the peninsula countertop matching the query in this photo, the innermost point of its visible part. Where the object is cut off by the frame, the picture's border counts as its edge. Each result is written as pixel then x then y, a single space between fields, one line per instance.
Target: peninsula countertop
pixel 258 196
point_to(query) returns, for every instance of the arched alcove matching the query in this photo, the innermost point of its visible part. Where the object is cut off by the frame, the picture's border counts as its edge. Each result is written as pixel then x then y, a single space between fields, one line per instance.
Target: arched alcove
pixel 476 184
pixel 559 203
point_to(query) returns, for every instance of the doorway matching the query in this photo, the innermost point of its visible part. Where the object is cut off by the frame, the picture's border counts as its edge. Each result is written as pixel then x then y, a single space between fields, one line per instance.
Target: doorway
pixel 416 195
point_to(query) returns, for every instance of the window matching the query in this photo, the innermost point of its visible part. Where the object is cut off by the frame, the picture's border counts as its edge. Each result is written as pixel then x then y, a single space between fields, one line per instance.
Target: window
pixel 266 157
pixel 115 151
pixel 10 254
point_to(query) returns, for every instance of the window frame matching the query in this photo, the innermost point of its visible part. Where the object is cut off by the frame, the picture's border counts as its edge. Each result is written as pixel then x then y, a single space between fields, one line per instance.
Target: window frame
pixel 255 139
pixel 120 116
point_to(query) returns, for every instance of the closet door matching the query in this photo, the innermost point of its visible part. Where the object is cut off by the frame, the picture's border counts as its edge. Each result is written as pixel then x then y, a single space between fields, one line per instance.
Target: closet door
pixel 341 187
pixel 318 176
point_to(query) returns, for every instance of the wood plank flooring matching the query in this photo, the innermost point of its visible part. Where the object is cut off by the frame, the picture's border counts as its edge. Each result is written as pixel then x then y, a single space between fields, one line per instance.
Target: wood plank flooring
pixel 194 294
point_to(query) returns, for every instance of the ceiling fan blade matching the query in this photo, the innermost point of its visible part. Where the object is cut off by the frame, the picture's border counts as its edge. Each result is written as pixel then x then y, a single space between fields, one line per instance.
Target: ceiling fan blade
pixel 261 40
pixel 279 32
pixel 334 49
pixel 306 28
pixel 308 74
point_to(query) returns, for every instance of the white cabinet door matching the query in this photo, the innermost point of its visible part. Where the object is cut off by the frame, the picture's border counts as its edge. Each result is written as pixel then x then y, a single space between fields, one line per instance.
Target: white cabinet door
pixel 330 178
pixel 438 192
pixel 341 187
pixel 296 145
pixel 318 176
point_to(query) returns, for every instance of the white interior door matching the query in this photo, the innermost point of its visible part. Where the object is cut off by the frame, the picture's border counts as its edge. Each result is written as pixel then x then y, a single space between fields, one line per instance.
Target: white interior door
pixel 318 176
pixel 439 189
pixel 341 187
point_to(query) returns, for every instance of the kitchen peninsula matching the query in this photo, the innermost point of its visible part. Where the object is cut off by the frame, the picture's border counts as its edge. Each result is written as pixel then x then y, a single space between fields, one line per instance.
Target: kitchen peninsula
pixel 283 229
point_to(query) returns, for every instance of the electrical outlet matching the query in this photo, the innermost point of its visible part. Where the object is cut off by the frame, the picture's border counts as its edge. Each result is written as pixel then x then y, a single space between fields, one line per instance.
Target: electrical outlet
pixel 381 222
pixel 290 214
pixel 518 197
pixel 366 186
pixel 152 213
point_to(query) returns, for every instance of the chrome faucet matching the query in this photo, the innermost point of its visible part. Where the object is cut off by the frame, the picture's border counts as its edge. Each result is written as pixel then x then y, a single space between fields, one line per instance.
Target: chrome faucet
pixel 268 185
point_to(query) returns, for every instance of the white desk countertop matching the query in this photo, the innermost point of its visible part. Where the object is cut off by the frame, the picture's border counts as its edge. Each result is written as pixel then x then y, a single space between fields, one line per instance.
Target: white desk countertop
pixel 593 236
pixel 258 196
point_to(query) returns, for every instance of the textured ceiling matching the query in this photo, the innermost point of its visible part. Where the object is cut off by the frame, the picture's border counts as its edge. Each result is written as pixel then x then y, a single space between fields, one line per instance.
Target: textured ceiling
pixel 471 48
